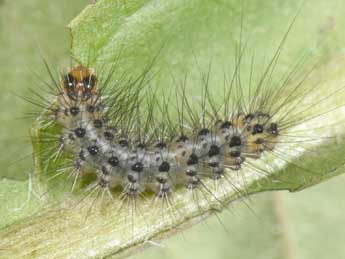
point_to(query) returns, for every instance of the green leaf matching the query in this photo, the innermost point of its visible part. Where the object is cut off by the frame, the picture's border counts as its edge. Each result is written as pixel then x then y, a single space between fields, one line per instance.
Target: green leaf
pixel 16 200
pixel 187 36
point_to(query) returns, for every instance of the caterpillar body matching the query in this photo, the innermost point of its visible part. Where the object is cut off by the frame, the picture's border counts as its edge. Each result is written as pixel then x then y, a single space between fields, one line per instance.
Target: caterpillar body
pixel 172 162
pixel 169 160
pixel 154 164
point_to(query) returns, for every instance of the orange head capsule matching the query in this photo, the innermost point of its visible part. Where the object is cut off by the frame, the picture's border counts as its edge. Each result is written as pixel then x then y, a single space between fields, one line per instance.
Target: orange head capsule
pixel 80 82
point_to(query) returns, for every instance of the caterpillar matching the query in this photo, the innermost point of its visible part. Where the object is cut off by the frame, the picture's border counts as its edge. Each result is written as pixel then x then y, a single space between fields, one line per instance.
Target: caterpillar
pixel 132 158
pixel 132 150
pixel 107 139
pixel 156 165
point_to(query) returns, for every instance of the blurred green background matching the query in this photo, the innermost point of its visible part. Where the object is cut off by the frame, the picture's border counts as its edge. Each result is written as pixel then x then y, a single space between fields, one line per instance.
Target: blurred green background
pixel 304 225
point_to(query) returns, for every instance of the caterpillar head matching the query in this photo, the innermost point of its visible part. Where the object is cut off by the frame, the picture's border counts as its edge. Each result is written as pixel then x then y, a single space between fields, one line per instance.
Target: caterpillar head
pixel 79 83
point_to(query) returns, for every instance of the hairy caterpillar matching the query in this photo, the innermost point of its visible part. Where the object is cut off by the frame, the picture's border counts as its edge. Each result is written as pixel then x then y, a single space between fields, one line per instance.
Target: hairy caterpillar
pixel 153 162
pixel 200 126
pixel 133 160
